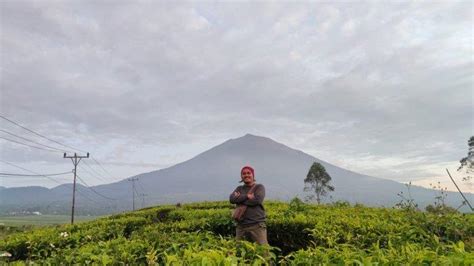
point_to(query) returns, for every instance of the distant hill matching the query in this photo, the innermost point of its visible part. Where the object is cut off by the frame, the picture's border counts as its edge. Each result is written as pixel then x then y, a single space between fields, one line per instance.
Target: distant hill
pixel 213 174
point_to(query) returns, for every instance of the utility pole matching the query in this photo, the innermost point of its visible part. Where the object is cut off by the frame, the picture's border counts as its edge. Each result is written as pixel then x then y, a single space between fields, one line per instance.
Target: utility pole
pixel 143 199
pixel 133 179
pixel 75 160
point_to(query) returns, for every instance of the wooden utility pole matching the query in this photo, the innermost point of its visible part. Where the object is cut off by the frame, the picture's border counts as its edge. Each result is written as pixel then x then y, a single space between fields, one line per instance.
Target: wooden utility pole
pixel 75 160
pixel 133 179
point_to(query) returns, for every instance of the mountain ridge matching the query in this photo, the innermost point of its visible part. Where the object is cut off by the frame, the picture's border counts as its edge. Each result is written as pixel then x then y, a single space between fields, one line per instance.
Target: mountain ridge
pixel 214 173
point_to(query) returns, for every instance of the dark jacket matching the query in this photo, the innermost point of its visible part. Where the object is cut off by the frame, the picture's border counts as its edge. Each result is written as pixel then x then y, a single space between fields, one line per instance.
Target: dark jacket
pixel 255 211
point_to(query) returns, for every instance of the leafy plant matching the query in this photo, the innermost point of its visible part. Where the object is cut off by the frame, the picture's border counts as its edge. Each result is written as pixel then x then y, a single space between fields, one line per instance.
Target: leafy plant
pixel 298 233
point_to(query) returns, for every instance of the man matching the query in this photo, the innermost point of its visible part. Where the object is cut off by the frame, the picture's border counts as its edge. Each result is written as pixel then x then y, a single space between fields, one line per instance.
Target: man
pixel 252 225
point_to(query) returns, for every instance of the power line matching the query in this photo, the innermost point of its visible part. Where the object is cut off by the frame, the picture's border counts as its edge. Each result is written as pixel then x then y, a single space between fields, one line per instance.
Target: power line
pixel 93 190
pixel 38 134
pixel 101 166
pixel 32 141
pixel 62 144
pixel 47 176
pixel 30 171
pixel 84 195
pixel 91 174
pixel 109 175
pixel 10 174
pixel 80 191
pixel 141 187
pixel 21 143
pixel 136 191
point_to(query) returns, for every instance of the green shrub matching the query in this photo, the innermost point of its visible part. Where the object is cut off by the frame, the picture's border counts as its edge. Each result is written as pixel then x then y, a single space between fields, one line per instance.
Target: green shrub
pixel 299 234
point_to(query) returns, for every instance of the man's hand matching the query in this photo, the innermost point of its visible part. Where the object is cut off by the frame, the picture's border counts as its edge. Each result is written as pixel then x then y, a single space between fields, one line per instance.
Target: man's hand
pixel 250 196
pixel 236 194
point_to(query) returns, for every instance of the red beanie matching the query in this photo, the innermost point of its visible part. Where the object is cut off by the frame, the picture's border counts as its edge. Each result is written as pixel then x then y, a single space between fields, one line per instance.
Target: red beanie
pixel 249 168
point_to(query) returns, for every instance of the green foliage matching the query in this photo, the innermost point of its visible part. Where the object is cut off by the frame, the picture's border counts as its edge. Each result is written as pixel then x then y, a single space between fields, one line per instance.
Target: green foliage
pixel 440 209
pixel 439 206
pixel 467 163
pixel 298 233
pixel 296 206
pixel 8 230
pixel 407 254
pixel 317 180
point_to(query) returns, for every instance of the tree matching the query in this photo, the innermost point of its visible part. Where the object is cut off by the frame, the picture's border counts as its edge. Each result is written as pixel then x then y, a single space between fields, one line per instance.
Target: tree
pixel 467 162
pixel 317 180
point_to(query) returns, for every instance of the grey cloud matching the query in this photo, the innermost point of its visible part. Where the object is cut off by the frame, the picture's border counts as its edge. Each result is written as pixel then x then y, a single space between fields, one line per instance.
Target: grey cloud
pixel 383 78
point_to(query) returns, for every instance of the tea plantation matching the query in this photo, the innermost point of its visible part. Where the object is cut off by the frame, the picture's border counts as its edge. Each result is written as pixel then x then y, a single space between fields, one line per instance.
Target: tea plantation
pixel 299 234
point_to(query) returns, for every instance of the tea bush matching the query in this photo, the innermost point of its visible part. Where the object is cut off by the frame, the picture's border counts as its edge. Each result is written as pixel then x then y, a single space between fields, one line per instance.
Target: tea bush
pixel 298 233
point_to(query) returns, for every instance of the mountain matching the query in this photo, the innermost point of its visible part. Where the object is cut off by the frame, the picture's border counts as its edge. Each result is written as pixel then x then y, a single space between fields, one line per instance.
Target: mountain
pixel 55 200
pixel 213 174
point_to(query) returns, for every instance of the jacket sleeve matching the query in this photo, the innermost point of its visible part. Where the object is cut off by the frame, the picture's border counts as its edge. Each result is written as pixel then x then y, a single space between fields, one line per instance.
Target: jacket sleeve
pixel 236 200
pixel 259 194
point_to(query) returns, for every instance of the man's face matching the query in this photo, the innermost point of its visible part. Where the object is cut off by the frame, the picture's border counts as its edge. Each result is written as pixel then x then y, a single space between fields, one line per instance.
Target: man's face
pixel 247 176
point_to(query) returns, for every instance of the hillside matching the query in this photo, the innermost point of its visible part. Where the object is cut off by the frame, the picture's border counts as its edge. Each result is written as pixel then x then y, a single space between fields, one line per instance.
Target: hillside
pixel 299 234
pixel 213 174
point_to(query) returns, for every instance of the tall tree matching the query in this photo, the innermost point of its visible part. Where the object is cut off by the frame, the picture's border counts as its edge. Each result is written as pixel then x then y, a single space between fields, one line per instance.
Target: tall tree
pixel 467 163
pixel 317 180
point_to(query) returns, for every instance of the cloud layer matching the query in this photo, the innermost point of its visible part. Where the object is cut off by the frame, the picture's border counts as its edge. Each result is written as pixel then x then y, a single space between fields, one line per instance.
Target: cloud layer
pixel 383 89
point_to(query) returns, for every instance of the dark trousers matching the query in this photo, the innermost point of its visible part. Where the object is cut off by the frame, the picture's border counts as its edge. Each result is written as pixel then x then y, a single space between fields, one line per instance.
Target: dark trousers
pixel 254 232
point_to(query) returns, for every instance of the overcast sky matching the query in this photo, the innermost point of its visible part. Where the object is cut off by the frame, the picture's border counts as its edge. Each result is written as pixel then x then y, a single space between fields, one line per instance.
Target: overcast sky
pixel 380 88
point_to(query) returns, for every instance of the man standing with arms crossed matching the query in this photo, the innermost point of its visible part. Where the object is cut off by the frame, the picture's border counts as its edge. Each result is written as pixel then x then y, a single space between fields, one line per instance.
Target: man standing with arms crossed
pixel 251 226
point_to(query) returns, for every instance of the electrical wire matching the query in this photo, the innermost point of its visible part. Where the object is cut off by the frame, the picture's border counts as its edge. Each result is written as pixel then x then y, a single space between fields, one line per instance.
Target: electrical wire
pixel 101 166
pixel 21 143
pixel 77 189
pixel 32 141
pixel 55 150
pixel 135 188
pixel 141 187
pixel 96 174
pixel 83 193
pixel 42 136
pixel 10 174
pixel 38 134
pixel 30 171
pixel 94 189
pixel 92 174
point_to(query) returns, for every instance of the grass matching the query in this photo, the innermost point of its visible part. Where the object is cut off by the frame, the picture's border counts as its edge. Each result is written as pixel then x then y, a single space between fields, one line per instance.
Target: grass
pixel 14 224
pixel 41 220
